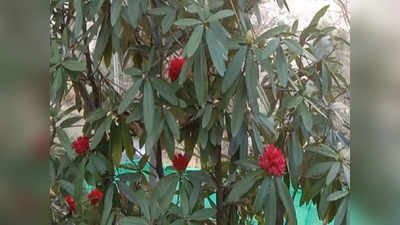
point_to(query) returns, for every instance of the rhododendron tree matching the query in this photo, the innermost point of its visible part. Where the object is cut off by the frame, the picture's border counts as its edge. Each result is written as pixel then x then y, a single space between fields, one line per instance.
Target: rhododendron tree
pixel 256 109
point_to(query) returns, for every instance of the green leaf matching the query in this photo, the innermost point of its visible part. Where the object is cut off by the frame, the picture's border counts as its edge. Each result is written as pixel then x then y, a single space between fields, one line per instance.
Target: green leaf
pixel 179 222
pixel 187 22
pixel 241 187
pixel 220 15
pixel 203 214
pixel 184 202
pixel 341 212
pixel 234 69
pixel 74 65
pixel 206 116
pixel 323 150
pixel 194 41
pixel 252 76
pixel 294 46
pixel 325 79
pixel 282 67
pixel 67 186
pixel 247 164
pixel 95 7
pixel 108 200
pixel 319 15
pixel 127 140
pixel 154 135
pixel 165 191
pixel 135 8
pixel 115 11
pixel 194 194
pixel 58 82
pixel 168 20
pixel 263 191
pixel 287 200
pixel 134 72
pixel 238 111
pixel 200 77
pixel 130 96
pixel 272 45
pixel 130 220
pixel 217 51
pixel 102 41
pixel 96 115
pixel 116 144
pixel 78 16
pixel 165 91
pixel 337 195
pixel 104 126
pixel 203 138
pixel 187 67
pixel 274 32
pixel 306 117
pixel 319 169
pixel 172 124
pixel 70 121
pixel 64 139
pixel 333 172
pixel 295 157
pixel 270 206
pixel 148 106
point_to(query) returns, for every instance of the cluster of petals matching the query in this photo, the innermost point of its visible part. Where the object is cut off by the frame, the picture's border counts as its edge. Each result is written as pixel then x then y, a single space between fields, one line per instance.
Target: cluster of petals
pixel 180 162
pixel 273 161
pixel 95 196
pixel 81 145
pixel 175 67
pixel 71 203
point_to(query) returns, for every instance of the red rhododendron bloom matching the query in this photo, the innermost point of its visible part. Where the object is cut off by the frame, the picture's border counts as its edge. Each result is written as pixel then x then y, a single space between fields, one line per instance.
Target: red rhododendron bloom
pixel 95 196
pixel 71 203
pixel 81 145
pixel 175 67
pixel 273 161
pixel 180 162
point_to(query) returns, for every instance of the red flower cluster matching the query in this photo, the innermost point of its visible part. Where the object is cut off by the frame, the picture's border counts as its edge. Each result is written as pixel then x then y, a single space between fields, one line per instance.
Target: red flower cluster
pixel 81 145
pixel 71 203
pixel 180 162
pixel 175 67
pixel 273 161
pixel 95 196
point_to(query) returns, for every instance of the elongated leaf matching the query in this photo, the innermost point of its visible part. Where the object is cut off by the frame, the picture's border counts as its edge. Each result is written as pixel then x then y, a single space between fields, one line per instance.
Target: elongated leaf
pixel 252 76
pixel 337 195
pixel 203 214
pixel 319 15
pixel 130 220
pixel 105 125
pixel 165 91
pixel 200 77
pixel 115 11
pixel 341 212
pixel 74 65
pixel 333 172
pixel 241 187
pixel 274 32
pixel 287 200
pixel 194 41
pixel 58 82
pixel 220 15
pixel 127 140
pixel 172 124
pixel 238 111
pixel 263 191
pixel 187 67
pixel 247 164
pixel 67 186
pixel 148 106
pixel 272 45
pixel 102 41
pixel 116 144
pixel 319 169
pixel 95 7
pixel 135 8
pixel 217 51
pixel 96 115
pixel 194 195
pixel 270 206
pixel 187 22
pixel 234 69
pixel 206 116
pixel 306 117
pixel 282 67
pixel 325 79
pixel 324 150
pixel 168 20
pixel 130 96
pixel 294 46
pixel 107 204
pixel 295 157
pixel 78 16
pixel 154 135
pixel 70 121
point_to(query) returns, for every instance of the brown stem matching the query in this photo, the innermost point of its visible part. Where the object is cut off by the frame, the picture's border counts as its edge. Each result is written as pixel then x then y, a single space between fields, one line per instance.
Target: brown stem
pixel 85 95
pixel 280 210
pixel 220 188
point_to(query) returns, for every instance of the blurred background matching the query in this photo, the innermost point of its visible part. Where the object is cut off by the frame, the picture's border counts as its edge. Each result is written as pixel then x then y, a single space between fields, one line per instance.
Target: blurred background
pixel 375 104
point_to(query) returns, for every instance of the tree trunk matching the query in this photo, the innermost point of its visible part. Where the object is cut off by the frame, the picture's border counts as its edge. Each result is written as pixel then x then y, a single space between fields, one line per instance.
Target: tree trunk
pixel 220 188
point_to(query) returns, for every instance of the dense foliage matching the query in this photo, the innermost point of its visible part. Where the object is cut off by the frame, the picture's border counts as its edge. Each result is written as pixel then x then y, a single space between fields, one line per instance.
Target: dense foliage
pixel 258 109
